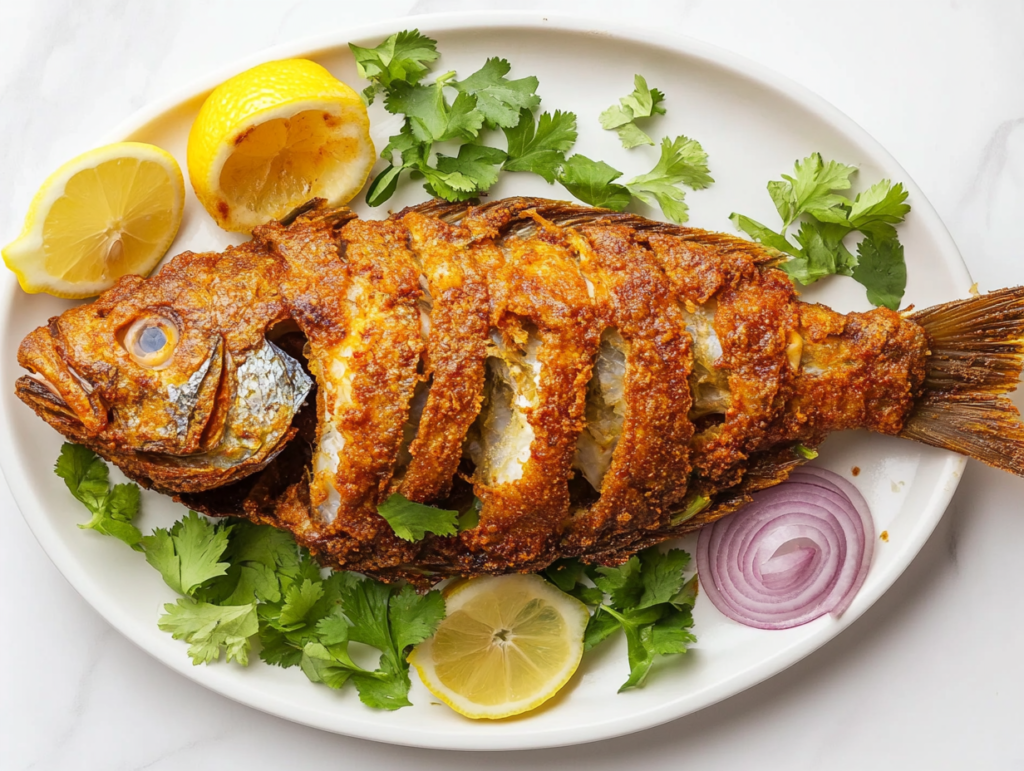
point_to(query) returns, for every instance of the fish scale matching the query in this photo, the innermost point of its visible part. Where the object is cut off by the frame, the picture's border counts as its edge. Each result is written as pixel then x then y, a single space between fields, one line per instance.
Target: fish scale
pixel 597 381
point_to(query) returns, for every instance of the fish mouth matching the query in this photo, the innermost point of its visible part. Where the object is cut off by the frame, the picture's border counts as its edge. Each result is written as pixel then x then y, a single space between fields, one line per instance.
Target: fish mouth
pixel 55 387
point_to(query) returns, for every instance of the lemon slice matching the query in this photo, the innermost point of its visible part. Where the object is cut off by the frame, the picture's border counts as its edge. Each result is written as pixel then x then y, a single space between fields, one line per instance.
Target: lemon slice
pixel 272 137
pixel 507 645
pixel 110 211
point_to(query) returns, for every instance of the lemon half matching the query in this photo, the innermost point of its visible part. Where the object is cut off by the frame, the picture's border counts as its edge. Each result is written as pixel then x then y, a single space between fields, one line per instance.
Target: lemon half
pixel 507 645
pixel 272 137
pixel 110 211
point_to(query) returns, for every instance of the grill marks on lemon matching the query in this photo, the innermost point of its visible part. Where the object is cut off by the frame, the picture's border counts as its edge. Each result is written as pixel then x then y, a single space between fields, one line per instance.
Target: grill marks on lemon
pixel 275 136
pixel 109 212
pixel 507 645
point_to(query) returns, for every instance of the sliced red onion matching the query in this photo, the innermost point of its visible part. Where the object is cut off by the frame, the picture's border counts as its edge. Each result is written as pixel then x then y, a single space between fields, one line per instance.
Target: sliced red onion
pixel 798 551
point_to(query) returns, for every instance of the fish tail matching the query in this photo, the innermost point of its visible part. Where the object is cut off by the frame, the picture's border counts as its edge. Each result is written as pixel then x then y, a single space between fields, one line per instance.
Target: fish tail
pixel 977 351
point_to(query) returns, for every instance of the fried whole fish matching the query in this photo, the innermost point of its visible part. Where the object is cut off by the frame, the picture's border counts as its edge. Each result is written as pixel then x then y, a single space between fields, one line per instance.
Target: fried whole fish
pixel 592 382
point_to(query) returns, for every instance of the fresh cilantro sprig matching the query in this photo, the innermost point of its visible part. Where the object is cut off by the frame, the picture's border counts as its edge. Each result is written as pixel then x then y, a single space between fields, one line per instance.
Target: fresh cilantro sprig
pixel 809 197
pixel 240 582
pixel 445 111
pixel 402 58
pixel 682 162
pixel 450 110
pixel 539 145
pixel 648 597
pixel 112 508
pixel 412 521
pixel 642 102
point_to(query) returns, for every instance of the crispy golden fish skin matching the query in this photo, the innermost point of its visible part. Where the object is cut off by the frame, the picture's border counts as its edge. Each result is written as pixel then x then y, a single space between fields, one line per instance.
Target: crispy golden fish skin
pixel 591 383
pixel 173 378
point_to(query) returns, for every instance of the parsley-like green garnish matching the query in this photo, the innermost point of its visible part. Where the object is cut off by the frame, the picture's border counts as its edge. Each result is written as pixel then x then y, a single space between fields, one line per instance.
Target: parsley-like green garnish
pixel 467 111
pixel 499 99
pixel 239 581
pixel 412 521
pixel 402 58
pixel 112 508
pixel 593 182
pixel 540 146
pixel 649 598
pixel 826 218
pixel 682 162
pixel 643 102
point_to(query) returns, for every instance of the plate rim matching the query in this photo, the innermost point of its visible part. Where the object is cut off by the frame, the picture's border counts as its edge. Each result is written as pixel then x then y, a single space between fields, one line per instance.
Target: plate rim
pixel 473 738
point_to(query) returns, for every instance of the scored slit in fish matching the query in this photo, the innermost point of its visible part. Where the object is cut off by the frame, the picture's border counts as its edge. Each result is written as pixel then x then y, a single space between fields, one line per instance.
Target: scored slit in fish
pixel 606 409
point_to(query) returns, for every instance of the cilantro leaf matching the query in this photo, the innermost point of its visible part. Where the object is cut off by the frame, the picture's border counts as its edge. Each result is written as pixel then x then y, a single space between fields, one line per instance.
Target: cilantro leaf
pixel 210 629
pixel 822 253
pixel 414 617
pixel 112 509
pixel 623 583
pixel 430 117
pixel 828 219
pixel 386 688
pixel 649 599
pixel 390 621
pixel 642 102
pixel 476 163
pixel 366 605
pixel 672 632
pixel 84 474
pixel 188 554
pixel 809 191
pixel 682 161
pixel 761 233
pixel 882 270
pixel 254 554
pixel 568 576
pixel 328 665
pixel 412 521
pixel 600 627
pixel 593 182
pixel 309 611
pixel 298 601
pixel 540 146
pixel 661 574
pixel 498 99
pixel 878 208
pixel 470 518
pixel 403 57
pixel 241 580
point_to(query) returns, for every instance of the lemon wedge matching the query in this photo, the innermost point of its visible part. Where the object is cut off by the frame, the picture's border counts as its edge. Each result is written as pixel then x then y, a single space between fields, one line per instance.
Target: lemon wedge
pixel 272 137
pixel 110 211
pixel 507 645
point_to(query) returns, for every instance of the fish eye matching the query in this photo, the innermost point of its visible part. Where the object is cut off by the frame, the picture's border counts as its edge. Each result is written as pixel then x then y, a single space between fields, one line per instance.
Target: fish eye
pixel 151 340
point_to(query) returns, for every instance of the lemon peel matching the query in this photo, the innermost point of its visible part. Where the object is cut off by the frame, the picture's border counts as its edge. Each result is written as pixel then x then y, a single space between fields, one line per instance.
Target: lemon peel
pixel 274 136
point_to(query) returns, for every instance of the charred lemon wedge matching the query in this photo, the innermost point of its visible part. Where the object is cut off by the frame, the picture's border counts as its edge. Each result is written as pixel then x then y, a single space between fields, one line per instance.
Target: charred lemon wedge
pixel 111 211
pixel 272 137
pixel 508 644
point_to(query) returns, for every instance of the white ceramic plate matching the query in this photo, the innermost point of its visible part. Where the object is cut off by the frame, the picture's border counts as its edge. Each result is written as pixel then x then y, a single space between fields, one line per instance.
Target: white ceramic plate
pixel 754 124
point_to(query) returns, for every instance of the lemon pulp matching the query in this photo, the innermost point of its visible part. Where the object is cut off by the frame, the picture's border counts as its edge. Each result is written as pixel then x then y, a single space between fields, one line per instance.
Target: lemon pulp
pixel 275 136
pixel 507 645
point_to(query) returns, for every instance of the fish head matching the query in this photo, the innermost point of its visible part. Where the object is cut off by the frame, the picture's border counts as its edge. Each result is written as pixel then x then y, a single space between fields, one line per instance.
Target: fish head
pixel 171 376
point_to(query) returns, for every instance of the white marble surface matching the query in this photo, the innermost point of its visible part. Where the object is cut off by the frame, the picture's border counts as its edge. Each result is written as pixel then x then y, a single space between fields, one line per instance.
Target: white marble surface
pixel 931 677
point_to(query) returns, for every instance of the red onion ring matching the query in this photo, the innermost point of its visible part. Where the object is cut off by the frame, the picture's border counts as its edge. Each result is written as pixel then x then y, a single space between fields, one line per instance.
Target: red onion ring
pixel 798 551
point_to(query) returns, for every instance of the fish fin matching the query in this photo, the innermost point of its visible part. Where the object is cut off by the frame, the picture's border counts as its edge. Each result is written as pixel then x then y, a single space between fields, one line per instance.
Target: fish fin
pixel 569 215
pixel 439 208
pixel 977 351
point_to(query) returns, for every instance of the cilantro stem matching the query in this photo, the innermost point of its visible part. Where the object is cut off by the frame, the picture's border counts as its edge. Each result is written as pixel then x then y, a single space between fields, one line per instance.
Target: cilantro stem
pixel 693 508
